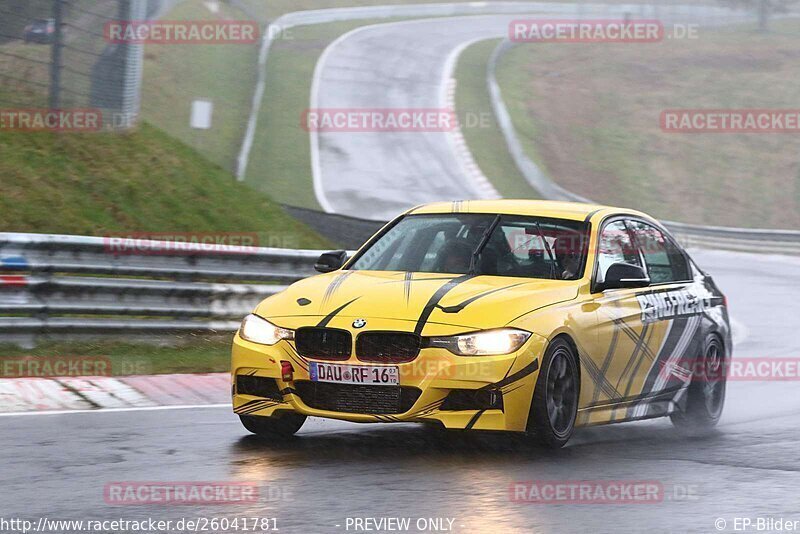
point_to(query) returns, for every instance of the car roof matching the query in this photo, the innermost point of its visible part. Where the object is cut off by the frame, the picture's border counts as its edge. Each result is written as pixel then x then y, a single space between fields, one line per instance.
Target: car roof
pixel 574 211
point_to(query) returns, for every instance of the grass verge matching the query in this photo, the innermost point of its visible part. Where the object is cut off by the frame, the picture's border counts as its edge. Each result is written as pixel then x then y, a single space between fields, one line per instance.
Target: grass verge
pixel 280 162
pixel 225 74
pixel 140 182
pixel 197 354
pixel 590 116
pixel 486 140
pixel 270 9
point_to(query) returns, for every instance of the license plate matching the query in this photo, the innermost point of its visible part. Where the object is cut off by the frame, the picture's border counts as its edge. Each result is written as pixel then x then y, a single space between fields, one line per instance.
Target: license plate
pixel 354 374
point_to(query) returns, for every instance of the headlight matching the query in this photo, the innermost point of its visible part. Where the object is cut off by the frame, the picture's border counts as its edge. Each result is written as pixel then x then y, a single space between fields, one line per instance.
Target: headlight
pixel 497 342
pixel 261 331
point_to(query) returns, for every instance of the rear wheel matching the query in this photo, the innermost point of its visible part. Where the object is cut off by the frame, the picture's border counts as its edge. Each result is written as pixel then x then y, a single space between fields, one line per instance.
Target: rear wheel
pixel 706 394
pixel 277 427
pixel 554 408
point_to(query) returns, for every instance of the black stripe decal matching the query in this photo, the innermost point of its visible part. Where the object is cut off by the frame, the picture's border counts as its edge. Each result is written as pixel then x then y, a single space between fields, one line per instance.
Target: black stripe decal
pixel 407 286
pixel 263 406
pixel 612 347
pixel 474 420
pixel 296 358
pixel 245 405
pixel 334 285
pixel 433 404
pixel 675 334
pixel 433 278
pixel 639 362
pixel 458 307
pixel 633 359
pixel 599 379
pixel 635 399
pixel 428 409
pixel 435 298
pixel 637 349
pixel 633 336
pixel 328 318
pixel 511 390
pixel 519 375
pixel 254 406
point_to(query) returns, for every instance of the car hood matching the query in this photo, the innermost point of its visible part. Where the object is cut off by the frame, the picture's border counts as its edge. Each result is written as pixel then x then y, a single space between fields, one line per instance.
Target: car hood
pixel 468 301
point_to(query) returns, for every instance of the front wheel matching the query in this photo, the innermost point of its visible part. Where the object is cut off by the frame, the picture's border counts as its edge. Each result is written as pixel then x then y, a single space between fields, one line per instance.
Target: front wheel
pixel 706 394
pixel 277 427
pixel 554 408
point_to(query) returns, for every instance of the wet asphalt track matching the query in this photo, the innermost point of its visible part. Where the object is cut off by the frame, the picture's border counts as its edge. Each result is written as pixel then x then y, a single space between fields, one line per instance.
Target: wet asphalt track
pixel 57 465
pixel 408 65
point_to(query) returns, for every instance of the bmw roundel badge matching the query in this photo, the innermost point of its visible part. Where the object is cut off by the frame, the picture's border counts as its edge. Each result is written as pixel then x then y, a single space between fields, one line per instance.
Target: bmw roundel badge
pixel 359 323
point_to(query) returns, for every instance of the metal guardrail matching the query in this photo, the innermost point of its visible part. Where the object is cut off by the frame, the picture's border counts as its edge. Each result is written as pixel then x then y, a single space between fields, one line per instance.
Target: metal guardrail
pixel 70 285
pixel 56 286
pixel 737 239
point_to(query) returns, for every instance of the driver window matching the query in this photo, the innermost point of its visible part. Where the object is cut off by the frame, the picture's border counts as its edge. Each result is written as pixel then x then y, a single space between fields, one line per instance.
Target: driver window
pixel 615 246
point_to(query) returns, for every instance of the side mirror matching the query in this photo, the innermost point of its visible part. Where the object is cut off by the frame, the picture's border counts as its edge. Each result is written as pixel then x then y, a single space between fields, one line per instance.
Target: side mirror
pixel 331 261
pixel 624 276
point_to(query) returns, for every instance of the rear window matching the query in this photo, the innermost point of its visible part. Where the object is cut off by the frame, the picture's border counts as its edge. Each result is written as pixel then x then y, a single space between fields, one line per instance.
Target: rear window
pixel 664 261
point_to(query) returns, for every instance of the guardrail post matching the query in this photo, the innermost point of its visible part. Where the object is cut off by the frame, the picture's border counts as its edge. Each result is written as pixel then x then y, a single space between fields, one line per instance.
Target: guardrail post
pixel 55 60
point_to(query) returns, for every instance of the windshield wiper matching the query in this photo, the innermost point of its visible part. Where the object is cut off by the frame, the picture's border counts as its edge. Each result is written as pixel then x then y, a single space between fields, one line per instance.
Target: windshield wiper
pixel 473 262
pixel 549 251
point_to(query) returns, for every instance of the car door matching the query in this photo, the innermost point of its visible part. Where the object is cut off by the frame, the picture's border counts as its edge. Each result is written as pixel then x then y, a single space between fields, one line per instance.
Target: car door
pixel 622 354
pixel 672 309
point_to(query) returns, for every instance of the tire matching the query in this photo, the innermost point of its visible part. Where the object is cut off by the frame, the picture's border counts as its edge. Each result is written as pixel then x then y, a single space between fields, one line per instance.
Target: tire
pixel 273 428
pixel 554 408
pixel 705 398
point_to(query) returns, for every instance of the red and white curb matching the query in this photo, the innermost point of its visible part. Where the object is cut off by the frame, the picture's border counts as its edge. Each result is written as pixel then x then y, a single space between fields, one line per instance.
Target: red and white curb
pixel 458 143
pixel 26 395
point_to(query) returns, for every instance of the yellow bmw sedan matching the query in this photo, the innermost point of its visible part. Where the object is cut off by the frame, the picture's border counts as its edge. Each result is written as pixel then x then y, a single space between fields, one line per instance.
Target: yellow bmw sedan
pixel 511 315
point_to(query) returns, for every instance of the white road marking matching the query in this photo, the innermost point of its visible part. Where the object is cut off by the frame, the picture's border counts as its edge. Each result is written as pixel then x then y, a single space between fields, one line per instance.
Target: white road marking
pixel 116 410
pixel 458 144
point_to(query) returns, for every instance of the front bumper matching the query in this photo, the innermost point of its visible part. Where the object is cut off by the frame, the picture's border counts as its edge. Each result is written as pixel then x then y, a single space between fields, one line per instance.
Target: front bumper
pixel 508 380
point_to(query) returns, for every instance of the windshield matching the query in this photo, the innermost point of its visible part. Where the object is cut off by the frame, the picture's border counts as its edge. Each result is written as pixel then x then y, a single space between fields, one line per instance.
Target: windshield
pixel 481 244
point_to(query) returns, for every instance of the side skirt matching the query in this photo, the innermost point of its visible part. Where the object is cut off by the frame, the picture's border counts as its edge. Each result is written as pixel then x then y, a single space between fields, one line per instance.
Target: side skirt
pixel 659 405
